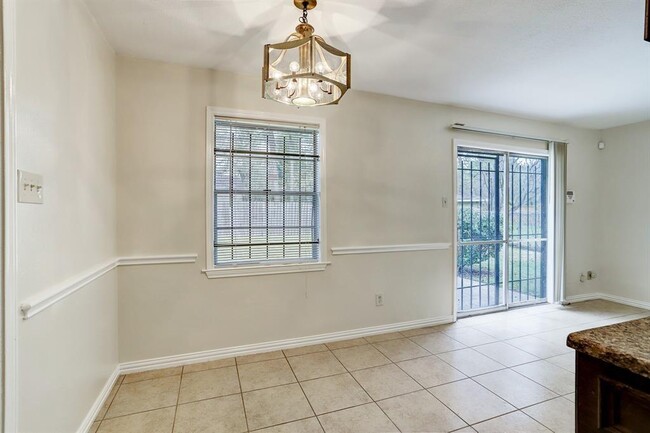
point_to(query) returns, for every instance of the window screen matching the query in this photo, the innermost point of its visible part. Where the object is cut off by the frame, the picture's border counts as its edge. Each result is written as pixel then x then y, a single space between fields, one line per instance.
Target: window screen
pixel 266 192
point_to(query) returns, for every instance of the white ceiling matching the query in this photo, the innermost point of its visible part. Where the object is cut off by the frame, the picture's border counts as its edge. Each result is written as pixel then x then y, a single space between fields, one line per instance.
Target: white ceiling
pixel 581 62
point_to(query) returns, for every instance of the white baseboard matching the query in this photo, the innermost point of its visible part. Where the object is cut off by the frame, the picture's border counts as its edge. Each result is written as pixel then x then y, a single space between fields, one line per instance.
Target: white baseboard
pixel 608 297
pixel 209 355
pixel 99 402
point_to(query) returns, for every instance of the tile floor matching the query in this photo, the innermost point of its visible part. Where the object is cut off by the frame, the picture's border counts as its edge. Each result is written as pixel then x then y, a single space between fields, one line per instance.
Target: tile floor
pixel 498 373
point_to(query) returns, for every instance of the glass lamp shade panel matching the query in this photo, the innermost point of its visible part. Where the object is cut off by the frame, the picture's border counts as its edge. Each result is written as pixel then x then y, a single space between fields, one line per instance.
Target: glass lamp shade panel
pixel 305 71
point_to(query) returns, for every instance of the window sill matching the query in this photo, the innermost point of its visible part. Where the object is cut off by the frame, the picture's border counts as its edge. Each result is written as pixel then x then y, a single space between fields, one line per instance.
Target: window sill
pixel 246 271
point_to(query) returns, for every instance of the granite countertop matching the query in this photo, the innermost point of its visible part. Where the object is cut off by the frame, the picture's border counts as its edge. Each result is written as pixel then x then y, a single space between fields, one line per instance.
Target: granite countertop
pixel 626 345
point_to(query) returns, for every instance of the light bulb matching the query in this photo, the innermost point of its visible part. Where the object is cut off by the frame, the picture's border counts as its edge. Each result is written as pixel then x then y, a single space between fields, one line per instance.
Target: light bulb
pixel 277 74
pixel 313 87
pixel 294 66
pixel 320 68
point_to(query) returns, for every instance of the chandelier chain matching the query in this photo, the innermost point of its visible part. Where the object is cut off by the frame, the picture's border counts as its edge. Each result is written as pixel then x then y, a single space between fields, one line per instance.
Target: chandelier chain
pixel 303 18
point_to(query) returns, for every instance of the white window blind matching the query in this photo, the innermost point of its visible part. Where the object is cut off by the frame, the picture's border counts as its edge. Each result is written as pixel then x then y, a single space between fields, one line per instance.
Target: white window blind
pixel 266 192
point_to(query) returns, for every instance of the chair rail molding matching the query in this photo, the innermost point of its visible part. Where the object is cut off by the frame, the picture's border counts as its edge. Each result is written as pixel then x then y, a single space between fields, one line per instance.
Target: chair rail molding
pixel 45 299
pixel 374 249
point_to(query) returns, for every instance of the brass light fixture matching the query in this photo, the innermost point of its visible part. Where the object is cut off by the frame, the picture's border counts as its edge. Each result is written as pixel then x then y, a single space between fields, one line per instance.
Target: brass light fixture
pixel 304 70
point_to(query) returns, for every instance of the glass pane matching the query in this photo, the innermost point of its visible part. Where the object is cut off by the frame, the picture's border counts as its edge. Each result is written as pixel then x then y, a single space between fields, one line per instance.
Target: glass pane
pixel 266 192
pixel 479 196
pixel 479 280
pixel 528 197
pixel 527 267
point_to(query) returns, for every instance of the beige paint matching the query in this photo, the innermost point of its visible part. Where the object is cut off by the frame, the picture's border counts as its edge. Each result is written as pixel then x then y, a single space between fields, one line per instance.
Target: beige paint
pixel 65 105
pixel 624 210
pixel 388 165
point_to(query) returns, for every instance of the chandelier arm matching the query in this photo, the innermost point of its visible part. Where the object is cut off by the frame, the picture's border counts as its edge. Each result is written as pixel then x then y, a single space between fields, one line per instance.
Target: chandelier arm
pixel 323 60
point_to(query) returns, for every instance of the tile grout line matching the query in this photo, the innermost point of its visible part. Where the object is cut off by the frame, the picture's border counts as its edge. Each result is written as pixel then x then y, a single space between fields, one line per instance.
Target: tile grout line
pixel 367 393
pixel 178 398
pixel 303 390
pixel 241 395
pixel 119 382
pixel 558 395
pixel 431 394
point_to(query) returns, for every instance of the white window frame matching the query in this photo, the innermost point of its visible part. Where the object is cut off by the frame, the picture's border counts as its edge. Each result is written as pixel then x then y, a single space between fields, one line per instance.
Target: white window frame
pixel 241 270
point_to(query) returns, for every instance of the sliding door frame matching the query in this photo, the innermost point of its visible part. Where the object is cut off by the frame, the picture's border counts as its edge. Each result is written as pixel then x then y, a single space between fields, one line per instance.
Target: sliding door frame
pixel 508 150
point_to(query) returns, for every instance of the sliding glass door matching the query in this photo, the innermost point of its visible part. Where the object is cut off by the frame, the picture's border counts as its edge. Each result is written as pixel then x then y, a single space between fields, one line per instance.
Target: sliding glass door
pixel 527 239
pixel 502 224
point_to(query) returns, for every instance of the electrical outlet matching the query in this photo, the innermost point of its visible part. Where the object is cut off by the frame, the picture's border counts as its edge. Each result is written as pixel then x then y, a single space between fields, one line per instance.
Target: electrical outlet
pixel 379 300
pixel 583 277
pixel 591 275
pixel 444 202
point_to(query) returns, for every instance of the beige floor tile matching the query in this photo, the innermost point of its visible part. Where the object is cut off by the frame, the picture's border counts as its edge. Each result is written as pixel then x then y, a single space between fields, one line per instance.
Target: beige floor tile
pixel 505 354
pixel 514 388
pixel 209 365
pixel 384 337
pixel 431 371
pixel 358 357
pixel 502 331
pixel 315 365
pixel 334 393
pixel 309 425
pixel 401 350
pixel 361 419
pixel 265 374
pixel 346 343
pixel 568 317
pixel 515 422
pixel 277 405
pixel 471 401
pixel 152 374
pixel 538 347
pixel 209 384
pixel 470 362
pixel 420 412
pixel 304 350
pixel 558 414
pixel 437 342
pixel 107 403
pixel 566 361
pixel 93 427
pixel 556 336
pixel 217 415
pixel 145 395
pixel 420 331
pixel 155 421
pixel 385 381
pixel 257 357
pixel 551 376
pixel 470 336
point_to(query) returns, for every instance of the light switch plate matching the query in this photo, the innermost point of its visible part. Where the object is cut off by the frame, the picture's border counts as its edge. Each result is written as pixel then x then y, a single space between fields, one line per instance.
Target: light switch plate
pixel 30 187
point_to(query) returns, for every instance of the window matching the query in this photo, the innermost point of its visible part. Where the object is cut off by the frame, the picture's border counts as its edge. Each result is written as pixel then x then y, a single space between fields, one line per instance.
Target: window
pixel 266 198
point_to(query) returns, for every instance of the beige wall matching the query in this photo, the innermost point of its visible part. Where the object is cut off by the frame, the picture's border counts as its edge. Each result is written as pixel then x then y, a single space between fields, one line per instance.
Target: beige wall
pixel 625 212
pixel 389 162
pixel 65 105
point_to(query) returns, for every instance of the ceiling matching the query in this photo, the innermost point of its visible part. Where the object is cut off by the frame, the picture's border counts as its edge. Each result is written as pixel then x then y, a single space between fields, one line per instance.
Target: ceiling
pixel 580 62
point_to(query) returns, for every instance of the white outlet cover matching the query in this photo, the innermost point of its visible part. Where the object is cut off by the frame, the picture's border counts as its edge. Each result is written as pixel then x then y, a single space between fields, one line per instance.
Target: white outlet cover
pixel 30 187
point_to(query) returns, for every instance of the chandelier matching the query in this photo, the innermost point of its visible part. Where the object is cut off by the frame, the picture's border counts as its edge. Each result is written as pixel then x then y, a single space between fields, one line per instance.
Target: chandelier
pixel 304 70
